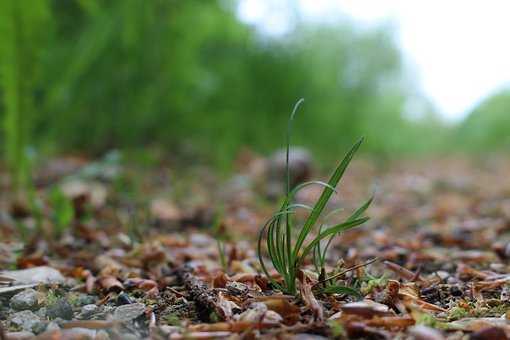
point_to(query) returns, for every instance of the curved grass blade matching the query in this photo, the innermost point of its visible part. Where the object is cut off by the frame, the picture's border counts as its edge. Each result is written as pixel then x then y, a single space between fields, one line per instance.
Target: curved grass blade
pixel 330 231
pixel 325 196
pixel 354 216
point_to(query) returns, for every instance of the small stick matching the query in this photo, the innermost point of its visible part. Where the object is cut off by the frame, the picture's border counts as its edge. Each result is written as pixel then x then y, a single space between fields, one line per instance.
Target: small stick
pixel 346 271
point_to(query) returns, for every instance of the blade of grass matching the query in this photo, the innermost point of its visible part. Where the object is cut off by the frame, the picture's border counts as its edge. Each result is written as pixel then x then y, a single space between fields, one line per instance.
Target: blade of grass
pixel 330 231
pixel 324 198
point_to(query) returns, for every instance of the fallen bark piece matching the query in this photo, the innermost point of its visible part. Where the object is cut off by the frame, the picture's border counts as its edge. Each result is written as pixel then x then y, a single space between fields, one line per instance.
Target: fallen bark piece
pixel 205 299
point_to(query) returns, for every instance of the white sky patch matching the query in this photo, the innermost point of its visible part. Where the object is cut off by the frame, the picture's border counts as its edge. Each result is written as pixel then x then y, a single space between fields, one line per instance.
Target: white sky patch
pixel 459 49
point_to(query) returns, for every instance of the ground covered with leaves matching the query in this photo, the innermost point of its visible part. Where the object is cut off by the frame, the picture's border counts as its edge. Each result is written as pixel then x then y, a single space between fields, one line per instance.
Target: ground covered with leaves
pixel 117 250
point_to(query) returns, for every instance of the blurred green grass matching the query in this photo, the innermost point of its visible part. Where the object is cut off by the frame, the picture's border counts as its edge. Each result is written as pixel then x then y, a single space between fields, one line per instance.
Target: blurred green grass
pixel 189 77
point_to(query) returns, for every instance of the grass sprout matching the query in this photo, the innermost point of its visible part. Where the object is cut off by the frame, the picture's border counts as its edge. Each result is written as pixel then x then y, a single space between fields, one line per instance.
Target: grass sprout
pixel 289 246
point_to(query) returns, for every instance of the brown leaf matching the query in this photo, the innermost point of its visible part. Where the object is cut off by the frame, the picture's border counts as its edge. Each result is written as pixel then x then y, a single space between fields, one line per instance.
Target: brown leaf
pixel 111 284
pixel 282 306
pixel 489 333
pixel 305 288
pixel 366 309
pixel 391 322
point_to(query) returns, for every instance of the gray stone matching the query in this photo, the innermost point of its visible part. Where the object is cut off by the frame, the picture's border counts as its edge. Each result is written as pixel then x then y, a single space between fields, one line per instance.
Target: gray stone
pixel 27 321
pixel 35 275
pixel 60 309
pixel 84 299
pixel 129 312
pixel 24 300
pixel 87 311
pixel 52 326
pixel 41 312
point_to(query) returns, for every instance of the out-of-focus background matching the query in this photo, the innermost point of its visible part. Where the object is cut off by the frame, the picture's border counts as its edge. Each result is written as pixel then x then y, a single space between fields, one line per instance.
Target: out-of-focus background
pixel 211 78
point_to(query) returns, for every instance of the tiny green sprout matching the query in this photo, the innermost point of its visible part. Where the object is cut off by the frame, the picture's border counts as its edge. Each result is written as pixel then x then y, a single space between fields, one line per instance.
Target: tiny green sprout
pixel 219 235
pixel 172 319
pixel 63 211
pixel 337 329
pixel 288 252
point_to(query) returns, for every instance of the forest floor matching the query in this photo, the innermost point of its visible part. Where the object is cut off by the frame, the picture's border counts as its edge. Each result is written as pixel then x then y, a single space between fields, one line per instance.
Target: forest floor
pixel 142 256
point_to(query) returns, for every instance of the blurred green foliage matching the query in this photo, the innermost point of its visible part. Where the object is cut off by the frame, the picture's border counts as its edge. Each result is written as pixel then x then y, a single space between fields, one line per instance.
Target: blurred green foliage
pixel 91 75
pixel 487 127
pixel 23 33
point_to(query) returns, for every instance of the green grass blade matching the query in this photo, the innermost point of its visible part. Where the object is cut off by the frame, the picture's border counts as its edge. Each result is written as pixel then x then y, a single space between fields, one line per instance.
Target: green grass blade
pixel 354 216
pixel 361 210
pixel 263 232
pixel 325 196
pixel 331 231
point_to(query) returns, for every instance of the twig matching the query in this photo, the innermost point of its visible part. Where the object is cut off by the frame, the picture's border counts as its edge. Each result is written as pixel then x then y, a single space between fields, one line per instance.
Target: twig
pixel 205 299
pixel 346 271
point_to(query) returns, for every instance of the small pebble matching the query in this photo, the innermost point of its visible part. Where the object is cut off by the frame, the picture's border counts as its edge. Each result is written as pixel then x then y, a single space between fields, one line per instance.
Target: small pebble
pixel 129 312
pixel 25 300
pixel 60 309
pixel 123 299
pixel 84 299
pixel 52 326
pixel 87 311
pixel 28 321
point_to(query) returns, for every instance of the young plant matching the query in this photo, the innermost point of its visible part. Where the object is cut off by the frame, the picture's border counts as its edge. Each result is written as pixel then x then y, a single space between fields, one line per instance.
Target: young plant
pixel 63 211
pixel 219 235
pixel 287 254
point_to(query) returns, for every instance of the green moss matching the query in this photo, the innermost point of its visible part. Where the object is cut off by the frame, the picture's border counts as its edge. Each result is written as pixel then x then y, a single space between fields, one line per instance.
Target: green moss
pixel 337 329
pixel 172 319
pixel 457 313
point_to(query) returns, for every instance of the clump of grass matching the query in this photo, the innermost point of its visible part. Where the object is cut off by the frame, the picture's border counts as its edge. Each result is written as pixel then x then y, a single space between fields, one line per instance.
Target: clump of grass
pixel 288 252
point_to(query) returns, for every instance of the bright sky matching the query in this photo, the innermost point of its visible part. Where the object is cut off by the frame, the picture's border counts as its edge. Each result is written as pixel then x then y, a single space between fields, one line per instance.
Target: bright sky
pixel 460 49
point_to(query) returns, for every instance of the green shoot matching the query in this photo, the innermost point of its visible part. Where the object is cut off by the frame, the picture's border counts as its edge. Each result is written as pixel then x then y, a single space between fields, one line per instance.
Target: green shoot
pixel 218 233
pixel 288 255
pixel 63 211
